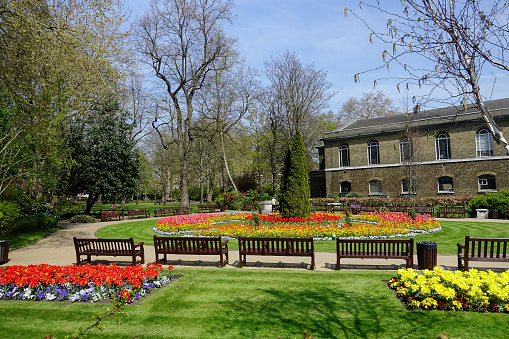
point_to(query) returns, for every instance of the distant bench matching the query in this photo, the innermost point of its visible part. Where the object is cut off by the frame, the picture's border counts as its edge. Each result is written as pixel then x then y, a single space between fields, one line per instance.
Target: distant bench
pixel 376 249
pixel 303 247
pixel 108 247
pixel 445 211
pixel 110 214
pixel 191 245
pixel 482 249
pixel 163 211
pixel 210 208
pixel 143 212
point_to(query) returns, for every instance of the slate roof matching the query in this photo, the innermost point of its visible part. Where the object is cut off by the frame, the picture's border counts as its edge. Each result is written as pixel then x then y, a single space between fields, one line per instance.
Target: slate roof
pixel 430 118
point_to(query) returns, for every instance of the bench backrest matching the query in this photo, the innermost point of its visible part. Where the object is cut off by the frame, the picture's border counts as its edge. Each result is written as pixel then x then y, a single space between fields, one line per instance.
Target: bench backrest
pixel 121 246
pixel 382 247
pixel 198 245
pixel 487 247
pixel 263 245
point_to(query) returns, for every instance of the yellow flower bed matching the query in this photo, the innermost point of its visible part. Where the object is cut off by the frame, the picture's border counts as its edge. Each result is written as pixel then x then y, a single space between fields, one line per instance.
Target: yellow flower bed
pixel 478 291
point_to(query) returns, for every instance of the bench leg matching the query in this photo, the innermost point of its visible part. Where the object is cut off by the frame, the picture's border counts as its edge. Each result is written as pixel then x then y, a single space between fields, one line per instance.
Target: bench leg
pixel 338 264
pixel 313 262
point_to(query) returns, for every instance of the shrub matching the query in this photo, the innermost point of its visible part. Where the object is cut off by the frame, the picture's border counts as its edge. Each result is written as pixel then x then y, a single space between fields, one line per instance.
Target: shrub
pixel 9 212
pixel 83 218
pixel 490 200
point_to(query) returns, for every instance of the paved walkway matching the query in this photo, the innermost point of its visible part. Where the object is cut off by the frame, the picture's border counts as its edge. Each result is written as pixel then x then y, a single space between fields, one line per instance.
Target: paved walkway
pixel 58 249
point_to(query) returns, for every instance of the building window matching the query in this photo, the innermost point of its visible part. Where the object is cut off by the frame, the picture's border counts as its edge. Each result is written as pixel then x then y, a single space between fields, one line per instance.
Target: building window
pixel 345 187
pixel 405 149
pixel 407 186
pixel 375 187
pixel 443 146
pixel 484 143
pixel 373 153
pixel 445 185
pixel 487 182
pixel 344 156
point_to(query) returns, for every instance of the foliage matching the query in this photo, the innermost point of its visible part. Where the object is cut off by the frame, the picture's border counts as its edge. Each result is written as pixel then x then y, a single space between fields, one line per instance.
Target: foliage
pixel 106 161
pixel 371 105
pixel 295 192
pixel 240 201
pixel 354 195
pixel 247 181
pixel 425 201
pixel 491 200
pixel 83 218
pixel 457 291
pixel 9 212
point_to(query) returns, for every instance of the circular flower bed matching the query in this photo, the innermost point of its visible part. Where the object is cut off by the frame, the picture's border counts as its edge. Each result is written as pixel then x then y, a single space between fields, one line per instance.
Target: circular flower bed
pixel 320 226
pixel 484 291
pixel 80 283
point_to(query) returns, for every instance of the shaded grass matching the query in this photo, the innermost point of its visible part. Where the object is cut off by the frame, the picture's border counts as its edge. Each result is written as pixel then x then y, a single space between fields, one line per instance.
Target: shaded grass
pixel 453 231
pixel 25 239
pixel 257 303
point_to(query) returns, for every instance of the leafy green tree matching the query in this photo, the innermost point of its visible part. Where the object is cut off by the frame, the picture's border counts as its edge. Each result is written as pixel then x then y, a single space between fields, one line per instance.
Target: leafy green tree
pixel 106 161
pixel 295 192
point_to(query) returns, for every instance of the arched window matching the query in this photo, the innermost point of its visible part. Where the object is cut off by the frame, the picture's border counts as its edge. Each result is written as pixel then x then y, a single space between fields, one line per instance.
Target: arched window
pixel 345 187
pixel 405 149
pixel 445 185
pixel 344 156
pixel 373 153
pixel 375 187
pixel 443 146
pixel 484 143
pixel 407 186
pixel 487 182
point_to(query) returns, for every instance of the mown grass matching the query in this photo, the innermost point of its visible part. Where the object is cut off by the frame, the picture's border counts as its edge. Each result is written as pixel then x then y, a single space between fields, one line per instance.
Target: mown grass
pixel 453 231
pixel 257 303
pixel 25 239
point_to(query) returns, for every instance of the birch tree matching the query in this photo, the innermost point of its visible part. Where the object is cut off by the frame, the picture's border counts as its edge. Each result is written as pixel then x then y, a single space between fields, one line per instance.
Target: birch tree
pixel 180 40
pixel 459 41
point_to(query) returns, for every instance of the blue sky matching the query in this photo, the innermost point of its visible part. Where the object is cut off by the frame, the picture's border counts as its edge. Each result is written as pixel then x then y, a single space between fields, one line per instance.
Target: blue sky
pixel 319 33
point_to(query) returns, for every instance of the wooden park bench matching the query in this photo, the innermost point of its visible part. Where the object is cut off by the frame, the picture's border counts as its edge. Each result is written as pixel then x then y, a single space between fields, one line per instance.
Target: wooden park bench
pixel 376 249
pixel 180 210
pixel 163 211
pixel 143 212
pixel 210 208
pixel 482 249
pixel 110 214
pixel 191 245
pixel 445 211
pixel 320 207
pixel 108 247
pixel 425 210
pixel 303 247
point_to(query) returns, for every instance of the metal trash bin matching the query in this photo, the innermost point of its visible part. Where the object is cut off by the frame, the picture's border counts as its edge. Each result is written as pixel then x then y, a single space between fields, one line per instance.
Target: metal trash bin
pixel 4 251
pixel 494 213
pixel 157 213
pixel 426 254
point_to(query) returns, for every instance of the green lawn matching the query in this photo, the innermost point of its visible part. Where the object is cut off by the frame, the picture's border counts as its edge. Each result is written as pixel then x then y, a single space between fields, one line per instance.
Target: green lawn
pixel 452 233
pixel 257 303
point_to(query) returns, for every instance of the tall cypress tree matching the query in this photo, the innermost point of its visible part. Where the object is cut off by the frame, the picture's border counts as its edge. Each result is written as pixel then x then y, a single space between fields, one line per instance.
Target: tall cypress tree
pixel 295 191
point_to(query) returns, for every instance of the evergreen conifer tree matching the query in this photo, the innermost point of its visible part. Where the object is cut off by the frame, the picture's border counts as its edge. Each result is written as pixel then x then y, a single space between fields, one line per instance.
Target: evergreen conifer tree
pixel 294 201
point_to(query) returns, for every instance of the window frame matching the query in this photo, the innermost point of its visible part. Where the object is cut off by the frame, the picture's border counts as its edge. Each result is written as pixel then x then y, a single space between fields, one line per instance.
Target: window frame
pixel 405 149
pixel 341 187
pixel 441 139
pixel 371 192
pixel 344 149
pixel 483 143
pixel 373 150
pixel 490 183
pixel 409 182
pixel 439 185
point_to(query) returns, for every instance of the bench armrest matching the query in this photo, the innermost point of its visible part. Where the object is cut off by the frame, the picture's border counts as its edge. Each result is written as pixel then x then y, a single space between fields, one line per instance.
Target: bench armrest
pixel 224 243
pixel 139 244
pixel 460 247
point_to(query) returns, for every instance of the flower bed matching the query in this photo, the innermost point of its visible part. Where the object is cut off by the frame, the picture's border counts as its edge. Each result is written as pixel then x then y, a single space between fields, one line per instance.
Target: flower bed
pixel 80 283
pixel 477 291
pixel 321 226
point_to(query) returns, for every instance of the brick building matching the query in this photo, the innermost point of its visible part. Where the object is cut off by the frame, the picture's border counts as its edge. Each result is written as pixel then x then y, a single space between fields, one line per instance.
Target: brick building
pixel 439 152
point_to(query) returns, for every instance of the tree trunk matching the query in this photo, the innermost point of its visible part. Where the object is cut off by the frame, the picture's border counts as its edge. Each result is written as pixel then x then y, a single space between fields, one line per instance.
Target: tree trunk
pixel 226 162
pixel 91 200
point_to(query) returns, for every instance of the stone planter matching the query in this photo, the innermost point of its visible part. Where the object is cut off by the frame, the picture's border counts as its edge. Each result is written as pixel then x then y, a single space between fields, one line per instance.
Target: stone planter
pixel 482 213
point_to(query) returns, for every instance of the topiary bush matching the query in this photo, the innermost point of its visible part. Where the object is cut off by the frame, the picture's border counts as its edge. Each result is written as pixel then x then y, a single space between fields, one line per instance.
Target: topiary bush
pixel 490 200
pixel 83 218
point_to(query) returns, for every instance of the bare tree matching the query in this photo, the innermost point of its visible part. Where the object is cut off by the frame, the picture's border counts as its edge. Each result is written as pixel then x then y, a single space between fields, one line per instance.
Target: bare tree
pixel 180 40
pixel 371 105
pixel 458 40
pixel 300 91
pixel 230 93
